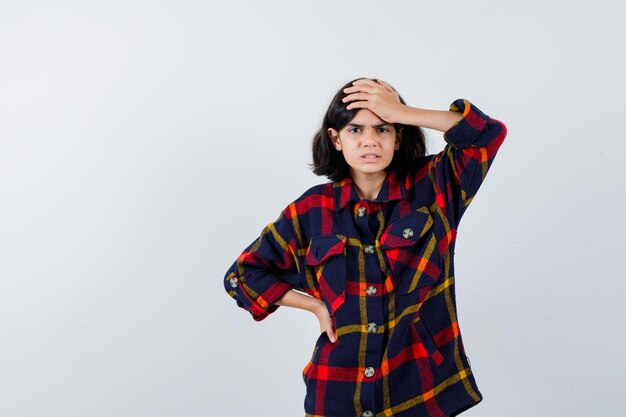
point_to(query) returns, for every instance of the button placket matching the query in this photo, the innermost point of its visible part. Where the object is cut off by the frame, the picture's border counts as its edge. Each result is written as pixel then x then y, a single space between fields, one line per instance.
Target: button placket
pixel 370 247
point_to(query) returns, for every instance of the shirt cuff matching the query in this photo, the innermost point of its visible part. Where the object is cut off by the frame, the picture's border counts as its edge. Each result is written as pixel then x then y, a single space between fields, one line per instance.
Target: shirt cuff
pixel 259 305
pixel 466 132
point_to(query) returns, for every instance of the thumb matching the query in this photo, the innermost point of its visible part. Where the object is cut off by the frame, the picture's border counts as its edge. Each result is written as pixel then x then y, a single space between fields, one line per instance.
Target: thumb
pixel 332 335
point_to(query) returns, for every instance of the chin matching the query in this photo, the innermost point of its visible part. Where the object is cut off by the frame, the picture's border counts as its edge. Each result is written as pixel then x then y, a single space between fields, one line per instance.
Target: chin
pixel 373 170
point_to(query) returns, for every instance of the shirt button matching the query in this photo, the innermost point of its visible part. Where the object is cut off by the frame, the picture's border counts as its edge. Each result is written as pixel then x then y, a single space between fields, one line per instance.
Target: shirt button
pixel 372 327
pixel 233 282
pixel 361 211
pixel 371 290
pixel 407 233
pixel 369 249
pixel 369 371
pixel 368 413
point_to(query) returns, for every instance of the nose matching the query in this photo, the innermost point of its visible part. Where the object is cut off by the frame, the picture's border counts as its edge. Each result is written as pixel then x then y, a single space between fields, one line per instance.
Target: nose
pixel 369 137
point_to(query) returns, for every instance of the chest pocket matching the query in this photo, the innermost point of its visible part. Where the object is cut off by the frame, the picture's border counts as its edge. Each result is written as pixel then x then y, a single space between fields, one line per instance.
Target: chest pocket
pixel 412 251
pixel 326 255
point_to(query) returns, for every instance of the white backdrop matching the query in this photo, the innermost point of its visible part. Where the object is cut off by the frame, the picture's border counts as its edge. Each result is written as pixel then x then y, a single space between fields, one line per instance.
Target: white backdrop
pixel 144 144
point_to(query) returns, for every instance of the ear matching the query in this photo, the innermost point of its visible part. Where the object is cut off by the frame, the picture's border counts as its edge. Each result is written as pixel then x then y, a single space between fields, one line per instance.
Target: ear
pixel 399 138
pixel 334 138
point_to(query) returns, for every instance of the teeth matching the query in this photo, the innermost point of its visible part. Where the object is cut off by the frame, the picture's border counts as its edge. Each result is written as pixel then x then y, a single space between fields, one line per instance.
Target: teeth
pixel 370 156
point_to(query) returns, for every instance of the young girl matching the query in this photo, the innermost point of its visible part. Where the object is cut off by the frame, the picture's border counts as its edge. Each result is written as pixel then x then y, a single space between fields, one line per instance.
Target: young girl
pixel 371 254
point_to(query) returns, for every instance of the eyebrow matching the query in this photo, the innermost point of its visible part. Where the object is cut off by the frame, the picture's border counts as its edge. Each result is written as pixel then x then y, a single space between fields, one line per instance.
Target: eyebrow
pixel 378 125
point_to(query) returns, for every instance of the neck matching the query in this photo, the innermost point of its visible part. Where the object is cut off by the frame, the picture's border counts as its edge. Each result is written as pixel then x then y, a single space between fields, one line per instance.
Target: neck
pixel 368 185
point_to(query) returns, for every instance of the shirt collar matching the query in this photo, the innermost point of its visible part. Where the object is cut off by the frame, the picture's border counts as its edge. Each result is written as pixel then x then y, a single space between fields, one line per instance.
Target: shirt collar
pixel 344 191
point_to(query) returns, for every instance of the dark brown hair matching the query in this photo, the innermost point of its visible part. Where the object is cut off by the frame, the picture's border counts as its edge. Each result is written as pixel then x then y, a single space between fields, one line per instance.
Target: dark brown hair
pixel 329 162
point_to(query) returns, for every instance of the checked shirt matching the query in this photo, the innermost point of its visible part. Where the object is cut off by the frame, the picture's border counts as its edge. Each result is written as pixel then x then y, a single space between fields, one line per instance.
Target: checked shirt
pixel 385 270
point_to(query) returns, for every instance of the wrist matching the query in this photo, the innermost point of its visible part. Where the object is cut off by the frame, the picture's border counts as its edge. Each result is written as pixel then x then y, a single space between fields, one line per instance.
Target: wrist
pixel 440 120
pixel 318 306
pixel 408 115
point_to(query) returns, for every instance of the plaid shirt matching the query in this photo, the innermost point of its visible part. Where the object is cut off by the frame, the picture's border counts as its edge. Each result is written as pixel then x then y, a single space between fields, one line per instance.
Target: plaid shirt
pixel 384 268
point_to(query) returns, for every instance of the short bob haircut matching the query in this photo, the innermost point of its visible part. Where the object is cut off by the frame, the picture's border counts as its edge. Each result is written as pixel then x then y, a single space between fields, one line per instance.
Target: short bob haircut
pixel 331 163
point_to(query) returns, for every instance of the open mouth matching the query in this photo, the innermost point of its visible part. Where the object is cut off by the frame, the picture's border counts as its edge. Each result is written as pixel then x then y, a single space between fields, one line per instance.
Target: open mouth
pixel 370 156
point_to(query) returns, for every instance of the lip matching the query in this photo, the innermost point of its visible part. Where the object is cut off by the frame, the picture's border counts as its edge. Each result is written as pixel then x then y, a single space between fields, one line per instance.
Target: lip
pixel 378 157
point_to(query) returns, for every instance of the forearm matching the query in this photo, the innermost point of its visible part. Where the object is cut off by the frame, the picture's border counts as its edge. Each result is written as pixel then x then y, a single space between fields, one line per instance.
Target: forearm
pixel 298 300
pixel 441 120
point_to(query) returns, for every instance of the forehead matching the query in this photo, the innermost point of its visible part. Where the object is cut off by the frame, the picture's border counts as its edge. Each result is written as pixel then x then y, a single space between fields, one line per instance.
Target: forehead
pixel 366 117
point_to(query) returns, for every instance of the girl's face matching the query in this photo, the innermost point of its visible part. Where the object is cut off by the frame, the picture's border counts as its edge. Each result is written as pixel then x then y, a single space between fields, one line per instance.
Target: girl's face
pixel 367 143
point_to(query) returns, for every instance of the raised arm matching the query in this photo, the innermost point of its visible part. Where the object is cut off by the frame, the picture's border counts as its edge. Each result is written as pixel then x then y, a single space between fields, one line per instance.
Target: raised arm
pixel 441 120
pixel 473 140
pixel 458 171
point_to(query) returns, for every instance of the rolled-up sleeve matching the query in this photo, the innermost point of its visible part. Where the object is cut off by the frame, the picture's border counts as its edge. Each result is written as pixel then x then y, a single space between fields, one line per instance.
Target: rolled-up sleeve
pixel 461 167
pixel 266 269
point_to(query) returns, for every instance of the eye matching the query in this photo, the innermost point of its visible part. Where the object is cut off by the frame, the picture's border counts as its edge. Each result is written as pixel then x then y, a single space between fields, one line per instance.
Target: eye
pixel 384 129
pixel 352 129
